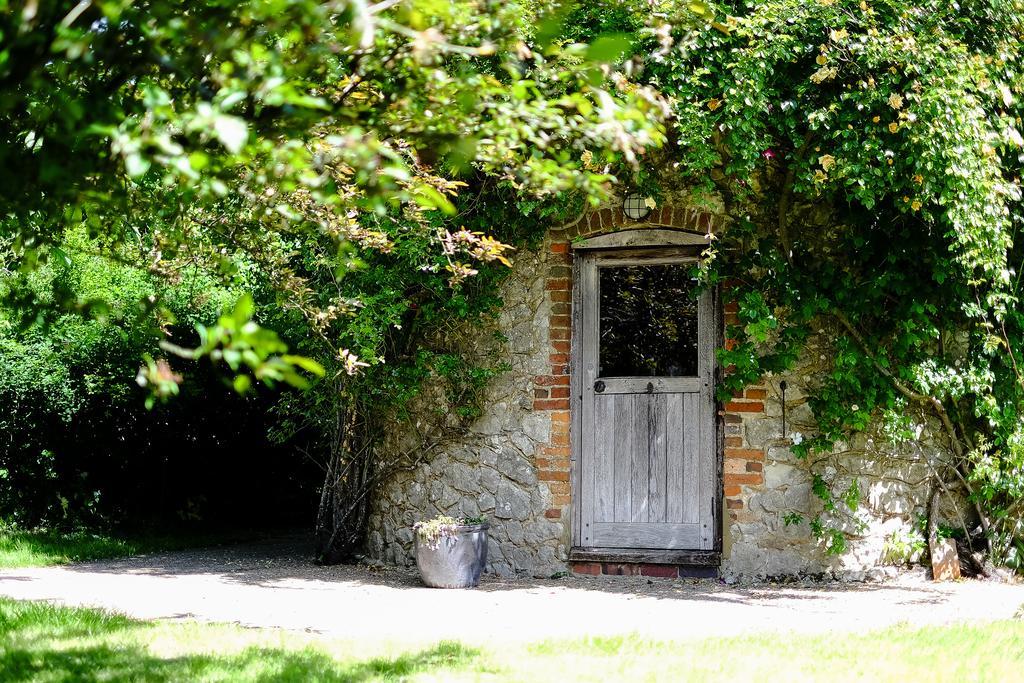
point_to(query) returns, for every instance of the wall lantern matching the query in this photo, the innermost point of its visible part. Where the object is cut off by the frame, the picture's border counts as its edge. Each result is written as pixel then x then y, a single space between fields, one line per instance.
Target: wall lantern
pixel 636 206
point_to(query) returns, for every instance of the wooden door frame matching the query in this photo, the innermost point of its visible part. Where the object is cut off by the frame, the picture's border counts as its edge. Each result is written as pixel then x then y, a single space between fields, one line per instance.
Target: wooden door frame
pixel 648 246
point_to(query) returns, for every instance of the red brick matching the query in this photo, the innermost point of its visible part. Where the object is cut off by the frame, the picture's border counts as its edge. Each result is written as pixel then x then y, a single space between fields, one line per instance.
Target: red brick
pixel 560 321
pixel 558 333
pixel 733 441
pixel 561 296
pixel 588 568
pixel 614 569
pixel 551 380
pixel 733 490
pixel 733 419
pixel 558 358
pixel 749 478
pixel 754 467
pixel 558 284
pixel 559 488
pixel 685 219
pixel 746 407
pixel 559 392
pixel 756 393
pixel 559 369
pixel 553 475
pixel 561 308
pixel 562 499
pixel 731 307
pixel 664 571
pixel 560 416
pixel 551 404
pixel 735 466
pixel 560 346
pixel 733 504
pixel 745 453
pixel 560 439
pixel 553 463
pixel 540 393
pixel 560 247
pixel 556 450
pixel 553 513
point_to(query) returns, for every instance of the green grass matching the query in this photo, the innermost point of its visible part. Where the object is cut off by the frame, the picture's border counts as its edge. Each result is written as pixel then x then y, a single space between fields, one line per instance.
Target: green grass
pixel 43 548
pixel 41 642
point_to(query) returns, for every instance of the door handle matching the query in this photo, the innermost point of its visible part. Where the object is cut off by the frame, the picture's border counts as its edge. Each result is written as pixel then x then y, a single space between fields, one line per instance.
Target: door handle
pixel 599 386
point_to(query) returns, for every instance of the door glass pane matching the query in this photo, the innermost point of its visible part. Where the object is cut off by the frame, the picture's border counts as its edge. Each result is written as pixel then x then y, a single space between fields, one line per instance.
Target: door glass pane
pixel 648 321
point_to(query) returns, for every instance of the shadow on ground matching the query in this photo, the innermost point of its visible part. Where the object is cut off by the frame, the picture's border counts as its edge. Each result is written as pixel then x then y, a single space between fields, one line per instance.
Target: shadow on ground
pixel 286 562
pixel 255 664
pixel 40 642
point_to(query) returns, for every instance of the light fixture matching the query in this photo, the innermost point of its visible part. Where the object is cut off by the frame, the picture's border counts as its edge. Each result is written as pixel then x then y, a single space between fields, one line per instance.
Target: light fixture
pixel 636 206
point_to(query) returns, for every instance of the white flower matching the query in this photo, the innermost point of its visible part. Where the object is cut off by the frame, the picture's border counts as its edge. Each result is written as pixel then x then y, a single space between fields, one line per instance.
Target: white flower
pixel 855 407
pixel 797 438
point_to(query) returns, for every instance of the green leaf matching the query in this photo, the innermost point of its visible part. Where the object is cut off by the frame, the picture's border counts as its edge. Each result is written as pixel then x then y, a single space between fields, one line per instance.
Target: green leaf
pixel 426 196
pixel 610 48
pixel 61 256
pixel 307 364
pixel 232 132
pixel 136 165
pixel 244 308
pixel 242 383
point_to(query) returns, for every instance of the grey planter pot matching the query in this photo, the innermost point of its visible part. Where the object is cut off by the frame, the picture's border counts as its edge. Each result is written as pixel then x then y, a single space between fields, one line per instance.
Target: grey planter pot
pixel 457 561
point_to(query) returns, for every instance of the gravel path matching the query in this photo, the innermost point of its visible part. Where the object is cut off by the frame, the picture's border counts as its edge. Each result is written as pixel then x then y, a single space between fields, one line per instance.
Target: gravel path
pixel 273 584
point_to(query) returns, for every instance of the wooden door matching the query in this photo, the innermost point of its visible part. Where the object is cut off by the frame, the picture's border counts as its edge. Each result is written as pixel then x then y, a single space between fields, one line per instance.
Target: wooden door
pixel 645 411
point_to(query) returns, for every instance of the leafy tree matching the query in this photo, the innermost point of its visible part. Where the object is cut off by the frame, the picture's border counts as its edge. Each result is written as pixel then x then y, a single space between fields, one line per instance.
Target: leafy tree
pixel 292 141
pixel 80 448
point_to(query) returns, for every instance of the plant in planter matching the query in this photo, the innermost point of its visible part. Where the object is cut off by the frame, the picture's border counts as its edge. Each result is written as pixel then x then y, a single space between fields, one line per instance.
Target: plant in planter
pixel 450 552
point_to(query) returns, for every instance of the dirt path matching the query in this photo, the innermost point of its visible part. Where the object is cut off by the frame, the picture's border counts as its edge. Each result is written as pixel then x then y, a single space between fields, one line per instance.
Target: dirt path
pixel 273 584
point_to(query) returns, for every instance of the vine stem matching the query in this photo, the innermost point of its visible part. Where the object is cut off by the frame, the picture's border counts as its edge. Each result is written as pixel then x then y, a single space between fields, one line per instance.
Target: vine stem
pixel 909 393
pixel 787 197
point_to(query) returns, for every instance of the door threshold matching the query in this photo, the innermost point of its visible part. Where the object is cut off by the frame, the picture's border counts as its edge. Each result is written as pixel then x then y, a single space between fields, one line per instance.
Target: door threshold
pixel 686 558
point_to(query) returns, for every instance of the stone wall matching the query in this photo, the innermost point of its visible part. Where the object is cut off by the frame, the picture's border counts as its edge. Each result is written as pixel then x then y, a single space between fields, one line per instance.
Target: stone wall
pixel 765 482
pixel 501 468
pixel 513 465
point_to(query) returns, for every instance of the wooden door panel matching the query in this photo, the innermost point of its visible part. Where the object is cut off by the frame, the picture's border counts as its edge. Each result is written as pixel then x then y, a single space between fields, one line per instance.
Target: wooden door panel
pixel 646 458
pixel 604 468
pixel 690 461
pixel 632 535
pixel 675 476
pixel 657 483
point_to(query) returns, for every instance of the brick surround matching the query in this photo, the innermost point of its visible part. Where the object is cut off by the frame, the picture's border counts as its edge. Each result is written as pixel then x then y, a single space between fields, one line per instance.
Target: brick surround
pixel 551 391
pixel 743 464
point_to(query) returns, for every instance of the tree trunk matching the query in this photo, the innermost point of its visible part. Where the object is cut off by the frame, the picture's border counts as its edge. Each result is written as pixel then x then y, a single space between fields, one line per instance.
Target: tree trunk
pixel 344 501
